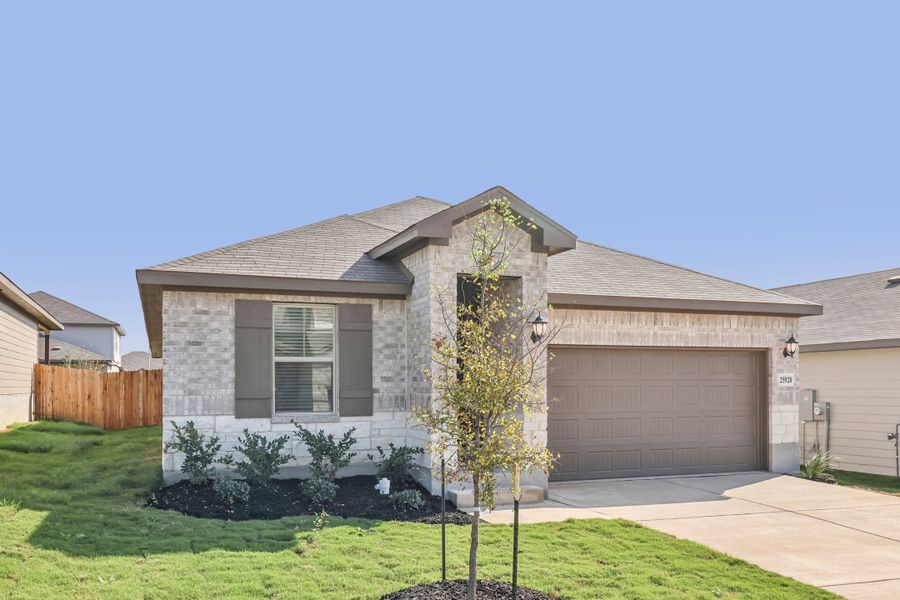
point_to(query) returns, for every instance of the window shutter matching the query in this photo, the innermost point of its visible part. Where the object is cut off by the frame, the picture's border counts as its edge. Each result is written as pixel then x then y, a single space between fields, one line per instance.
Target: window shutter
pixel 252 359
pixel 355 360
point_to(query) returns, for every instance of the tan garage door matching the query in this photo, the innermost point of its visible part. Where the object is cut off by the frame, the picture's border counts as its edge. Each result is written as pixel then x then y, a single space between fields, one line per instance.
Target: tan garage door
pixel 636 413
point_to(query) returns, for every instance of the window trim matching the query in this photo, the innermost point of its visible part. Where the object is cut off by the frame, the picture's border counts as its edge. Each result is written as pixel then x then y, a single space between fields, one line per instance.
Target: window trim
pixel 333 360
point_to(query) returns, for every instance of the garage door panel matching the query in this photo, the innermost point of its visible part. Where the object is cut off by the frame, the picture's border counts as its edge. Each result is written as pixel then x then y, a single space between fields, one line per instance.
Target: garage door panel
pixel 653 412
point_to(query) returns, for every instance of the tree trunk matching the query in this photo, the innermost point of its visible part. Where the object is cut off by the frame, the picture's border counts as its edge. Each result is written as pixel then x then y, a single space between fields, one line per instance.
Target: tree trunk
pixel 473 544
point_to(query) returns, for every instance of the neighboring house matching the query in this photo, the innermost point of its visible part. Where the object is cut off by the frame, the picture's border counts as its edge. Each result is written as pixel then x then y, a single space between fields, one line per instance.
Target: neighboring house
pixel 21 318
pixel 88 331
pixel 659 370
pixel 64 353
pixel 851 357
pixel 138 360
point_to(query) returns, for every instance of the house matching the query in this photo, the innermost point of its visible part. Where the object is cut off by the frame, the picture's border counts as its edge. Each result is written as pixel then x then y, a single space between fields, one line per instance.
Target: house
pixel 21 318
pixel 851 357
pixel 659 370
pixel 87 335
pixel 64 353
pixel 138 360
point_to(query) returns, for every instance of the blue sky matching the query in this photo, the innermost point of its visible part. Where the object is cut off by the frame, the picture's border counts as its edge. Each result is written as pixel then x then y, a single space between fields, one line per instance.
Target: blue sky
pixel 755 141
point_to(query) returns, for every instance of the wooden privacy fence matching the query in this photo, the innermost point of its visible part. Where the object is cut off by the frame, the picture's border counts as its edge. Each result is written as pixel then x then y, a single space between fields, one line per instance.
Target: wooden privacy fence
pixel 109 400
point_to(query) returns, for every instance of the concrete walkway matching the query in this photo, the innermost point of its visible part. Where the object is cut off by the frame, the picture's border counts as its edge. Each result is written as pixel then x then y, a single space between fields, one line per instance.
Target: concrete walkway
pixel 842 539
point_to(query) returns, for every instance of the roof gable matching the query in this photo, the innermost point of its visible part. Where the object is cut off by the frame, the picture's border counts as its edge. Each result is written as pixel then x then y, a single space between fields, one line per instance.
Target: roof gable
pixel 548 236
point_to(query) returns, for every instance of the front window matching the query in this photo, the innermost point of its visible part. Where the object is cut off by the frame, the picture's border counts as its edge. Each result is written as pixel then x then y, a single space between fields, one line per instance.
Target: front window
pixel 304 358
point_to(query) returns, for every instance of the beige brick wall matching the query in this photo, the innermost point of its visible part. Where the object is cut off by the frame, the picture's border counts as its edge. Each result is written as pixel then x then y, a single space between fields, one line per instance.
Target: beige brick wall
pixel 198 374
pixel 436 269
pixel 198 353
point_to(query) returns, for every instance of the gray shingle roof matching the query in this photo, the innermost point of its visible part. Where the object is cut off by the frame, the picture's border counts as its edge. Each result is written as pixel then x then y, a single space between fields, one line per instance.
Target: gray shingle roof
pixel 334 249
pixel 61 351
pixel 857 308
pixel 400 215
pixel 70 314
pixel 591 269
pixel 138 359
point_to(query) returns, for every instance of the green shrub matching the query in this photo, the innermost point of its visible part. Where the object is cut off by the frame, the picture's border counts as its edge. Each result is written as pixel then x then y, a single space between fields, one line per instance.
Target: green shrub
pixel 407 500
pixel 262 457
pixel 199 452
pixel 818 467
pixel 396 465
pixel 230 490
pixel 328 456
pixel 319 490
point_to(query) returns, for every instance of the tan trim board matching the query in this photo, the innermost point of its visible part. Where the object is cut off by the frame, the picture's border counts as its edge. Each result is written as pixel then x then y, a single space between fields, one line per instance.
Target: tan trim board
pixel 230 282
pixel 860 345
pixel 559 300
pixel 26 304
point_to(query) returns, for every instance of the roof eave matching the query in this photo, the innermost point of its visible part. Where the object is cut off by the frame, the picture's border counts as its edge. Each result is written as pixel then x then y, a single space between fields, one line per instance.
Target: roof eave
pixel 855 345
pixel 151 284
pixel 682 305
pixel 15 295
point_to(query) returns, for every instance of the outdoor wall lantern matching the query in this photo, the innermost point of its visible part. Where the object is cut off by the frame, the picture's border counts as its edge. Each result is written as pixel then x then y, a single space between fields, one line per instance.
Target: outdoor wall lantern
pixel 538 329
pixel 791 347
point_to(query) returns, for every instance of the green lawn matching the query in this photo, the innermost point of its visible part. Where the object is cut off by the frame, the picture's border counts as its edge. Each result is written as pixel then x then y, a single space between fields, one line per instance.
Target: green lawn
pixel 71 527
pixel 880 483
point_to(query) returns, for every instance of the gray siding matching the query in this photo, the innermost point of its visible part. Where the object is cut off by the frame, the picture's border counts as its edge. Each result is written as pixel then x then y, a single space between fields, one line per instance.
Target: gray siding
pixel 863 387
pixel 96 338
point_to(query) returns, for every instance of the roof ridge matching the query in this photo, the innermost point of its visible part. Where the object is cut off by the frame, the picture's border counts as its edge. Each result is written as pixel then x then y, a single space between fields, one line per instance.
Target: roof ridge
pixel 781 287
pixel 241 244
pixel 398 202
pixel 90 312
pixel 355 218
pixel 674 266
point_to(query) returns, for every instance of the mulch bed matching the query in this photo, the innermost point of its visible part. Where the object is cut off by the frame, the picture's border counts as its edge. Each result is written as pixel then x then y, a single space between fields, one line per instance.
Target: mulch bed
pixel 356 497
pixel 456 590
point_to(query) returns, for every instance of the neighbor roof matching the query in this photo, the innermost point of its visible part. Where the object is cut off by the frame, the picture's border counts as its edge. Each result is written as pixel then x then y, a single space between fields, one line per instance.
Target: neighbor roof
pixel 861 311
pixel 71 314
pixel 596 276
pixel 18 298
pixel 137 360
pixel 61 351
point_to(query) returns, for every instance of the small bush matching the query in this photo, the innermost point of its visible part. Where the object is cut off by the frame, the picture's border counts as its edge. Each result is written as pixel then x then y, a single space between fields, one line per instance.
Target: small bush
pixel 230 490
pixel 328 456
pixel 319 490
pixel 818 467
pixel 262 458
pixel 199 452
pixel 407 500
pixel 396 465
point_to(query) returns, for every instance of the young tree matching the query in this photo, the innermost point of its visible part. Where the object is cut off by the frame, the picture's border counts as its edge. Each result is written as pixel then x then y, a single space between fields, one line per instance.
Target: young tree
pixel 487 374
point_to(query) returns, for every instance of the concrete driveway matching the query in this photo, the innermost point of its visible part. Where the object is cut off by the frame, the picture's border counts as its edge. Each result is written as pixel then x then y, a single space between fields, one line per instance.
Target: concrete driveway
pixel 842 539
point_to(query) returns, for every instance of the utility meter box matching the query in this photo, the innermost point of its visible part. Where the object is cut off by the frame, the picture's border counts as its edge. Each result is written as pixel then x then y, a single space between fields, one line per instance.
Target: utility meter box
pixel 808 406
pixel 811 409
